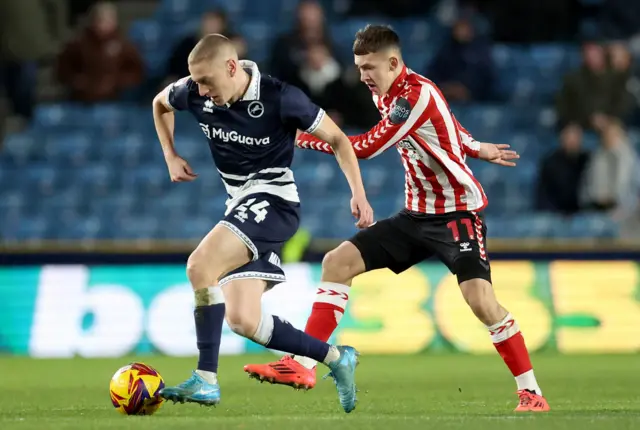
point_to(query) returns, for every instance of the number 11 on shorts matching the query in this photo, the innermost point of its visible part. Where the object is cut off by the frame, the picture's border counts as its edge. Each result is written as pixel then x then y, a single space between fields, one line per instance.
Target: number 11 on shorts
pixel 455 231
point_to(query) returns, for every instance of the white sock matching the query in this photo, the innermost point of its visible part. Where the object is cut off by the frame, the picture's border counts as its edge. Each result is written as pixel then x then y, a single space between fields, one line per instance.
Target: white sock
pixel 332 355
pixel 209 296
pixel 210 377
pixel 527 381
pixel 501 333
pixel 265 329
pixel 328 295
pixel 307 362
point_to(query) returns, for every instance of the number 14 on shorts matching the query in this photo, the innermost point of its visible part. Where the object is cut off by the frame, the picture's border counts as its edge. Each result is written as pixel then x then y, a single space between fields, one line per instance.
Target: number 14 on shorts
pixel 259 209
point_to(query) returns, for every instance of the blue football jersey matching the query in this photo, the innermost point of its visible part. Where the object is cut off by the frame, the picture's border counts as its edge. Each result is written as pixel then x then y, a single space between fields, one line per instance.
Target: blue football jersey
pixel 252 140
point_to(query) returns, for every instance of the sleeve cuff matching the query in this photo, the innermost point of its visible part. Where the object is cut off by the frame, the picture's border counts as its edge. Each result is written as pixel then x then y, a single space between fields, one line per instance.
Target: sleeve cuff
pixel 316 122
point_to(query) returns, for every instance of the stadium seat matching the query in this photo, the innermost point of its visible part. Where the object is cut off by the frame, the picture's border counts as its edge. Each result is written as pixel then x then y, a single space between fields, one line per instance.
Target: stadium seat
pixel 259 36
pixel 63 116
pixel 69 149
pixel 149 37
pixel 24 228
pixel 20 148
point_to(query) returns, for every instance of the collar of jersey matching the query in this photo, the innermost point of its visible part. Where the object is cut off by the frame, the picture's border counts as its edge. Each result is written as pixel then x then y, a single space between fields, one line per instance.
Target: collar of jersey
pixel 253 91
pixel 398 84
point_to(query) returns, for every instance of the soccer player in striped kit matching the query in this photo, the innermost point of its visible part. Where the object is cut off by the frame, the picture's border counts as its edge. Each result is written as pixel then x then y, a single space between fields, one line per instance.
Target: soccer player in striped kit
pixel 442 215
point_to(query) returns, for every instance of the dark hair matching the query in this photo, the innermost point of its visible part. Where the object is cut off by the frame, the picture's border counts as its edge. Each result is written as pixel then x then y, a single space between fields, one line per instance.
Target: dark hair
pixel 374 38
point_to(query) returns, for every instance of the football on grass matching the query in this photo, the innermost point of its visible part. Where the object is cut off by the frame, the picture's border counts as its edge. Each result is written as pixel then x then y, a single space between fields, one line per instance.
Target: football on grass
pixel 134 389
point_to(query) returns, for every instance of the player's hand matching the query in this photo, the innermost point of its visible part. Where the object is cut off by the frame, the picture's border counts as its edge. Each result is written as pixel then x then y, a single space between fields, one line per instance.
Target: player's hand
pixel 361 209
pixel 498 153
pixel 179 169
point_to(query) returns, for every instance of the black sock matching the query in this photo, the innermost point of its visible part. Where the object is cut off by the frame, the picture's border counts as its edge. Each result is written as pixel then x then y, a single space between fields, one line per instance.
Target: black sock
pixel 209 320
pixel 287 338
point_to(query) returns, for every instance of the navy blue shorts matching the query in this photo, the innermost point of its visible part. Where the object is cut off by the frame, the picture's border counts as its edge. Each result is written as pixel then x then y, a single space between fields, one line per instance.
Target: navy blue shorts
pixel 264 222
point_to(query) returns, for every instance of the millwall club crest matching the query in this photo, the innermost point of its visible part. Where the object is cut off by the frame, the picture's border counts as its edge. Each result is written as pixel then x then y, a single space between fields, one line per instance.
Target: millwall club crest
pixel 255 109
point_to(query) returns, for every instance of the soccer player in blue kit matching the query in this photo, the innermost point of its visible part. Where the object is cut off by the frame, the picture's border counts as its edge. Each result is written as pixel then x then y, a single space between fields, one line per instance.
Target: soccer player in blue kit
pixel 251 123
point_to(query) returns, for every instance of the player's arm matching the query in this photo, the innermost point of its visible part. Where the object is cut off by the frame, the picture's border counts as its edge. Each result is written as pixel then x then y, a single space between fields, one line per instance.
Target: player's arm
pixel 407 115
pixel 328 131
pixel 470 146
pixel 498 153
pixel 172 98
pixel 297 110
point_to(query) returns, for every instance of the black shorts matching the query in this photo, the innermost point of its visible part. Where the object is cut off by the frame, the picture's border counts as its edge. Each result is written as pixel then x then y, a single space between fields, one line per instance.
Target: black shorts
pixel 397 243
pixel 264 222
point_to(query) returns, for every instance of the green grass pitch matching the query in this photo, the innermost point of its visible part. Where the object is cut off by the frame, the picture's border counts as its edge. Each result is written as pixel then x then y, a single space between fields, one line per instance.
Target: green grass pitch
pixel 408 392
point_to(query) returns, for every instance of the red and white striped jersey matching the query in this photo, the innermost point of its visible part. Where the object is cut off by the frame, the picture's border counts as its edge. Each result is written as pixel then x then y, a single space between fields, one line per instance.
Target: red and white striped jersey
pixel 416 119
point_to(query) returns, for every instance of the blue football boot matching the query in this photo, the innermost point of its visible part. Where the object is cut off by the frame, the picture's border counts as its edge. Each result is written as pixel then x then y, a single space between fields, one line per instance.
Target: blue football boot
pixel 193 390
pixel 343 372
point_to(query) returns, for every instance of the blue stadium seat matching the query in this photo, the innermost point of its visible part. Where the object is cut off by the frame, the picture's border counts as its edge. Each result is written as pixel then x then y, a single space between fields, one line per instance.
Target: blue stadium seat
pixel 20 148
pixel 259 36
pixel 63 116
pixel 591 225
pixel 129 150
pixel 69 149
pixel 275 11
pixel 375 180
pixel 149 37
pixel 24 228
pixel 138 228
pixel 342 35
pixel 148 181
pixel 175 12
pixel 42 178
pixel 97 179
pixel 114 119
pixel 13 203
pixel 193 228
pixel 86 228
pixel 115 205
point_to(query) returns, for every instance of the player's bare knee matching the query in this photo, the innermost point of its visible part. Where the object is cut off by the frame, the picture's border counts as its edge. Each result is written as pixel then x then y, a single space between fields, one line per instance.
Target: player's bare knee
pixel 334 269
pixel 199 273
pixel 243 305
pixel 479 295
pixel 342 264
pixel 242 322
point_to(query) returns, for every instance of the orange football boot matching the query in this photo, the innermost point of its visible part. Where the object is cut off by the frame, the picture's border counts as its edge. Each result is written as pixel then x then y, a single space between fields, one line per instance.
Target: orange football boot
pixel 285 371
pixel 531 402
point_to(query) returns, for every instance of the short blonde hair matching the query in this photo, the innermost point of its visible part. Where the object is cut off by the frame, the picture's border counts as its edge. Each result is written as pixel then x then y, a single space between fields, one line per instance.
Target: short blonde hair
pixel 209 47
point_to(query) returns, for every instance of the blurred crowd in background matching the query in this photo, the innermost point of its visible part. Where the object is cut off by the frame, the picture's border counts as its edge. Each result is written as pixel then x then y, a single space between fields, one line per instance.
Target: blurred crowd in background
pixel 571 62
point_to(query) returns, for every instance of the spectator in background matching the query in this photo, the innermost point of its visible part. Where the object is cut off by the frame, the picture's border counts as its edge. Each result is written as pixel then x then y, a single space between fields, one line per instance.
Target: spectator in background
pixel 318 71
pixel 463 68
pixel 561 173
pixel 100 64
pixel 210 22
pixel 321 78
pixel 240 44
pixel 594 91
pixel 24 39
pixel 357 110
pixel 611 181
pixel 621 63
pixel 289 50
